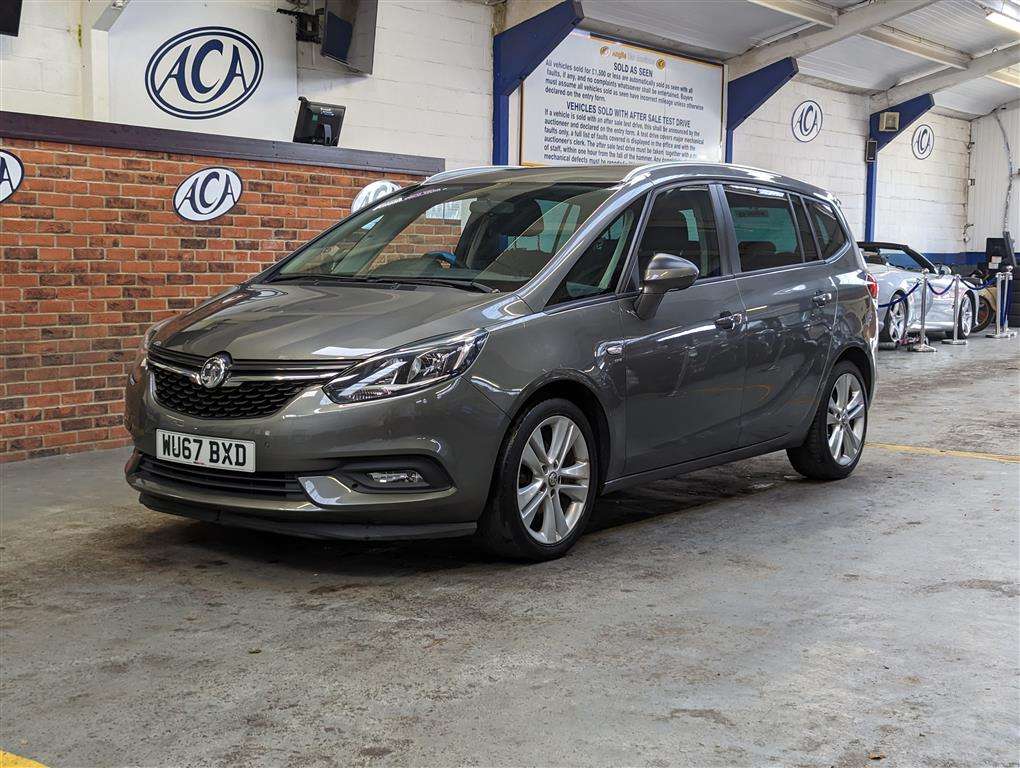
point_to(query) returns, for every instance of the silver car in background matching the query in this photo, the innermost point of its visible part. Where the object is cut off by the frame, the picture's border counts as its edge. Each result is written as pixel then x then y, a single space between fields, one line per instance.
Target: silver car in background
pixel 897 268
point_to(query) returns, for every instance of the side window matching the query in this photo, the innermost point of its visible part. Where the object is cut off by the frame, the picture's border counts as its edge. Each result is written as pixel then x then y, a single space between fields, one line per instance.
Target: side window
pixel 598 269
pixel 765 229
pixel 682 223
pixel 807 239
pixel 831 237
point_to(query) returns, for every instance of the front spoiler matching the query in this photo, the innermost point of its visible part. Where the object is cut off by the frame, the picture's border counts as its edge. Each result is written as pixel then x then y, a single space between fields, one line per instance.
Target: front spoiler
pixel 309 529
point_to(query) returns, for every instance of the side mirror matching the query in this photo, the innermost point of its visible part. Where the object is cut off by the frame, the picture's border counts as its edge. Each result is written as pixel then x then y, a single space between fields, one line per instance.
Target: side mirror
pixel 664 273
pixel 945 270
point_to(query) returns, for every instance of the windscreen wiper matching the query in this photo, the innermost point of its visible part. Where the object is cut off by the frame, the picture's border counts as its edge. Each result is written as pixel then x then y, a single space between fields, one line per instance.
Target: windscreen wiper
pixel 464 285
pixel 330 276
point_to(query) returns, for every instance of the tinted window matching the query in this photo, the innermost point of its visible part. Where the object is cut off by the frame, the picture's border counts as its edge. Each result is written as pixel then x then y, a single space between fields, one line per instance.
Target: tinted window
pixel 901 260
pixel 682 223
pixel 598 269
pixel 807 239
pixel 830 233
pixel 765 229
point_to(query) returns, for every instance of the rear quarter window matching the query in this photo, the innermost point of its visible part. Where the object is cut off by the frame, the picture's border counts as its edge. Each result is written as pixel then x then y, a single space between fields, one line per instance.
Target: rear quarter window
pixel 831 237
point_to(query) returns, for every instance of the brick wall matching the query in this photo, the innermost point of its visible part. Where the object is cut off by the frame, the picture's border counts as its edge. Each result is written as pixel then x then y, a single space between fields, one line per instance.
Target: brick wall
pixel 93 253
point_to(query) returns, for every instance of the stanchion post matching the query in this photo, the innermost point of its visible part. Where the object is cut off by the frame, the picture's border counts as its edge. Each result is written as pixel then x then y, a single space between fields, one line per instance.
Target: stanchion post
pixel 1002 280
pixel 957 310
pixel 922 344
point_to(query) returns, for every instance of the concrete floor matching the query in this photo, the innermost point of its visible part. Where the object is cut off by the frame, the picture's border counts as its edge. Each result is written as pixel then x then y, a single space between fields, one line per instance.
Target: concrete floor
pixel 737 616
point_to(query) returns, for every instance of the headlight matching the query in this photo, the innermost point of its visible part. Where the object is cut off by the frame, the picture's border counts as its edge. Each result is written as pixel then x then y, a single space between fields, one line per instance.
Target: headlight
pixel 408 369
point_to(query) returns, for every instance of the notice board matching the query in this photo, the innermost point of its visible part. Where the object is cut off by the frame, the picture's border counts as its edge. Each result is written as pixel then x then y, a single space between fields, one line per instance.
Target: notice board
pixel 597 101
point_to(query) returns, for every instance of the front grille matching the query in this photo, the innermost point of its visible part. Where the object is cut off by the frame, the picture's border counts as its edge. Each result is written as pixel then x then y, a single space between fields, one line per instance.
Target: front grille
pixel 255 391
pixel 248 400
pixel 268 485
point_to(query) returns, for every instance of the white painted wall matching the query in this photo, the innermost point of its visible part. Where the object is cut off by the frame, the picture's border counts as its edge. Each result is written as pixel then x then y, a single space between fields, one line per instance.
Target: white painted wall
pixel 40 70
pixel 920 202
pixel 989 170
pixel 833 160
pixel 430 92
pixel 924 202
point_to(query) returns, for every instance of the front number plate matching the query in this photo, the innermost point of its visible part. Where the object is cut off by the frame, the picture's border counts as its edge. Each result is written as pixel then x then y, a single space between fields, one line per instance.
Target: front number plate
pixel 202 451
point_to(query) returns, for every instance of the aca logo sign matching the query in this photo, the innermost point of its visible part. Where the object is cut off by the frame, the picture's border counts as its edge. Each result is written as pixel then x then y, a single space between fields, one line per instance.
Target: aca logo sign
pixel 923 141
pixel 11 174
pixel 373 192
pixel 207 194
pixel 204 72
pixel 806 121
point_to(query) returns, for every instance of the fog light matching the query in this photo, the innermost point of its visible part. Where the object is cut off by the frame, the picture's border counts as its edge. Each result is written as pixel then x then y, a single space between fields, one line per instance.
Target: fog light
pixel 397 477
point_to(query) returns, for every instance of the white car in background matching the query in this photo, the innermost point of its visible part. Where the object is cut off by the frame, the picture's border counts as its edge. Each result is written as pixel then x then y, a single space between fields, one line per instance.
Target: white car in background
pixel 897 268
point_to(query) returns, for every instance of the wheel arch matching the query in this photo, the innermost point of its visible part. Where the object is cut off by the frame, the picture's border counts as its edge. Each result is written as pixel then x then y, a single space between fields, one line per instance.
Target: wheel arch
pixel 584 396
pixel 860 358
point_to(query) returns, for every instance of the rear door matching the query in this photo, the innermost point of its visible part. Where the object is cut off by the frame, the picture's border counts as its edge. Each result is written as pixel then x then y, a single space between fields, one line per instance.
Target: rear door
pixel 685 365
pixel 790 297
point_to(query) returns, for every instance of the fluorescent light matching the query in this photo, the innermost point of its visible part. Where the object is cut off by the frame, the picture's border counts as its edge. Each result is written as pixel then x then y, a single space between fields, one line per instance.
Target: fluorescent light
pixel 1008 22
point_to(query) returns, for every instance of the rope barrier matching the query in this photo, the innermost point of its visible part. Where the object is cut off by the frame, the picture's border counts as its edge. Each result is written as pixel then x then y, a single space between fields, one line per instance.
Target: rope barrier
pixel 901 298
pixel 940 293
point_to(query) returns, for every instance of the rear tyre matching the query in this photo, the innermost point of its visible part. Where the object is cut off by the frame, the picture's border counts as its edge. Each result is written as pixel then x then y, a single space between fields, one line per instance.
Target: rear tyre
pixel 835 440
pixel 985 313
pixel 894 329
pixel 544 486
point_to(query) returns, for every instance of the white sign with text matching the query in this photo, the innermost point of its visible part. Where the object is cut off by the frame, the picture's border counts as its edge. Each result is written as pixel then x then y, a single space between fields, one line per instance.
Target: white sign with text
pixel 210 67
pixel 595 101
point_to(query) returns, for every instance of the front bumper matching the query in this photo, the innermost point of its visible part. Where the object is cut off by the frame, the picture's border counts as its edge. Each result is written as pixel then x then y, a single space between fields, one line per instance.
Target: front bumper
pixel 452 424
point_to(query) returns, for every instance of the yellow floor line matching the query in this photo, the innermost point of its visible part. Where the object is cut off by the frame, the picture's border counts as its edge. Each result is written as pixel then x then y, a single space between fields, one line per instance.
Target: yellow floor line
pixel 7 760
pixel 1004 458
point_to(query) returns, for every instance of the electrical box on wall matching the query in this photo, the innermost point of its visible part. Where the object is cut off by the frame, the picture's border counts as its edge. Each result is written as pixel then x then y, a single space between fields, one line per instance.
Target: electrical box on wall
pixel 870 151
pixel 889 121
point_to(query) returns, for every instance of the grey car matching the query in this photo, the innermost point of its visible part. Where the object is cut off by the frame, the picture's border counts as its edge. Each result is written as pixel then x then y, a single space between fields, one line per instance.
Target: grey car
pixel 486 352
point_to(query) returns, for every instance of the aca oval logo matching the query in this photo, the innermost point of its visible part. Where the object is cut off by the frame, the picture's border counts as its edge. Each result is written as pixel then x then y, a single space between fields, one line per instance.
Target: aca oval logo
pixel 373 192
pixel 923 141
pixel 204 72
pixel 206 194
pixel 806 121
pixel 11 174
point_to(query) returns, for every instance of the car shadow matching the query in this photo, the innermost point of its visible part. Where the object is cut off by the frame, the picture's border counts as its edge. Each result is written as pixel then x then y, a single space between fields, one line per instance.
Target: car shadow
pixel 211 546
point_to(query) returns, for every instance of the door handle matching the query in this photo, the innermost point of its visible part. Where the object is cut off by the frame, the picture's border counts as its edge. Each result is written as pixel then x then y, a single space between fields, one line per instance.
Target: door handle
pixel 821 299
pixel 728 322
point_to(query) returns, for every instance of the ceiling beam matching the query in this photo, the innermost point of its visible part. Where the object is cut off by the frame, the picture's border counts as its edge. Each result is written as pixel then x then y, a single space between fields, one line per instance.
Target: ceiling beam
pixel 848 24
pixel 1006 77
pixel 917 46
pixel 803 9
pixel 947 78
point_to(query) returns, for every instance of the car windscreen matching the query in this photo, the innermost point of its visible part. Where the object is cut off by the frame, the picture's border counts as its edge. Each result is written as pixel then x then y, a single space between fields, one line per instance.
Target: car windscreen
pixel 497 236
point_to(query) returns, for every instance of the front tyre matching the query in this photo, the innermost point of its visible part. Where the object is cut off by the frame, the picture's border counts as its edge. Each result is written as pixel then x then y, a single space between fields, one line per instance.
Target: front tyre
pixel 835 439
pixel 965 320
pixel 545 484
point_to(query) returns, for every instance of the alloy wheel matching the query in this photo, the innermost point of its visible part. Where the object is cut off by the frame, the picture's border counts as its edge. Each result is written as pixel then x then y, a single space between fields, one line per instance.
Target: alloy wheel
pixel 897 321
pixel 552 479
pixel 845 419
pixel 966 317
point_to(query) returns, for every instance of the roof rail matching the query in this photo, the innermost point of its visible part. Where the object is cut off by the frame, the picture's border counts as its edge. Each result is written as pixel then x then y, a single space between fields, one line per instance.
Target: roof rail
pixel 652 166
pixel 456 173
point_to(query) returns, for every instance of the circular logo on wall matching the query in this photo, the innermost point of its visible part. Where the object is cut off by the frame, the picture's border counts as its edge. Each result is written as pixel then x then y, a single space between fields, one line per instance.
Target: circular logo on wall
pixel 373 192
pixel 923 141
pixel 215 370
pixel 806 121
pixel 204 72
pixel 206 194
pixel 11 173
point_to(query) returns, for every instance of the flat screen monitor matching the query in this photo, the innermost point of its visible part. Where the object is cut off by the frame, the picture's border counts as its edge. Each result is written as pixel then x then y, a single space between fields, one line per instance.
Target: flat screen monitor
pixel 318 123
pixel 10 17
pixel 348 33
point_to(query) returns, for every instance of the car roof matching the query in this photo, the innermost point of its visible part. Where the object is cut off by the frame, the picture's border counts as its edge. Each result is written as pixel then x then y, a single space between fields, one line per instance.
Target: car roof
pixel 621 174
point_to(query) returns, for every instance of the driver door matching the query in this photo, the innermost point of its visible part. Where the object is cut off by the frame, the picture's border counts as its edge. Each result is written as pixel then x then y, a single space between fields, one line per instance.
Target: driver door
pixel 684 365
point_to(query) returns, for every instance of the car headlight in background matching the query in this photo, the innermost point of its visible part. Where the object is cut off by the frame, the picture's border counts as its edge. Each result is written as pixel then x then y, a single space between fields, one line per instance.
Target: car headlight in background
pixel 407 369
